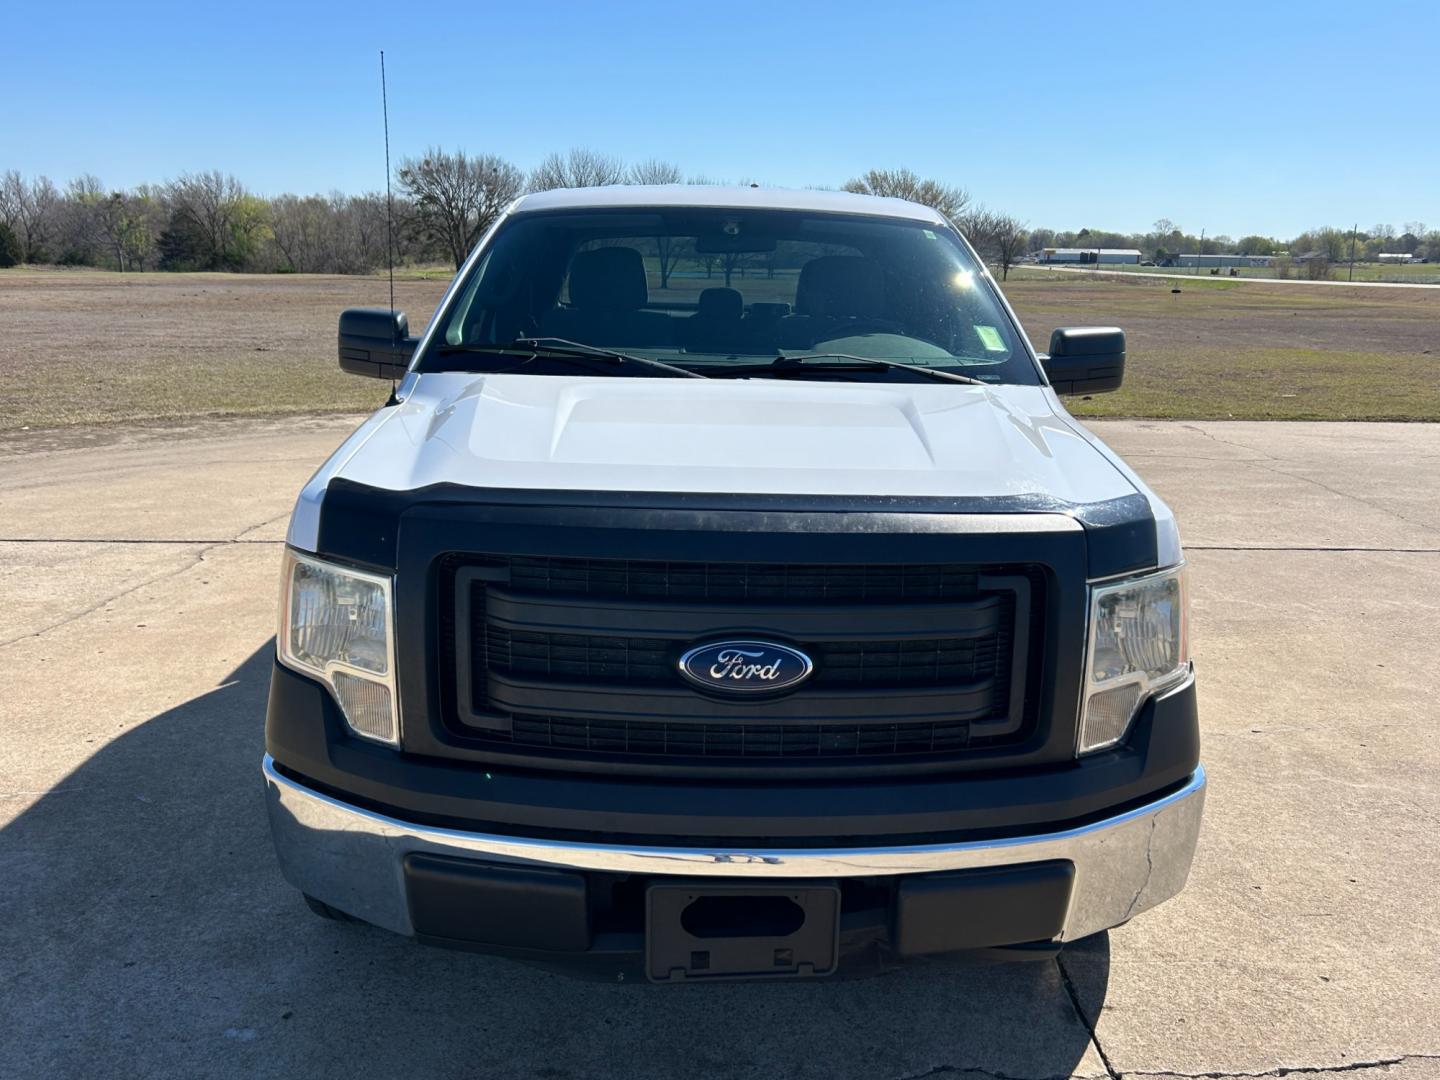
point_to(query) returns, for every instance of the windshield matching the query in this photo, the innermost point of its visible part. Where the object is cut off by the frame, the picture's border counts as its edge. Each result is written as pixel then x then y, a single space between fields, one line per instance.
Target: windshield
pixel 727 292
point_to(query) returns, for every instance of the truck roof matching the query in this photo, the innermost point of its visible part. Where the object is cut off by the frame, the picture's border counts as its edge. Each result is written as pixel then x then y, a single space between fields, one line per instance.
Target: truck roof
pixel 706 195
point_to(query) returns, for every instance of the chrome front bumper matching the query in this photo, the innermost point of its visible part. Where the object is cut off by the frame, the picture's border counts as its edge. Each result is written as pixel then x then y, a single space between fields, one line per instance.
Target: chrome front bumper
pixel 352 859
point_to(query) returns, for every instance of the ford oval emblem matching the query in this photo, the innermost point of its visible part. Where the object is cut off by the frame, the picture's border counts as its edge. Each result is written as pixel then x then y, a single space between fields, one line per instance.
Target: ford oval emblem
pixel 745 667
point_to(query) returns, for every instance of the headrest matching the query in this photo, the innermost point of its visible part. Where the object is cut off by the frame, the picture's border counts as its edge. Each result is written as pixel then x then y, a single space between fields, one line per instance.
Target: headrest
pixel 608 279
pixel 721 304
pixel 840 285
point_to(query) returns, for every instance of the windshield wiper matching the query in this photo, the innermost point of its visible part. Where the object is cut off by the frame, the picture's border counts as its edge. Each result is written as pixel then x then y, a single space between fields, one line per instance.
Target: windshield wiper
pixel 555 346
pixel 560 349
pixel 794 363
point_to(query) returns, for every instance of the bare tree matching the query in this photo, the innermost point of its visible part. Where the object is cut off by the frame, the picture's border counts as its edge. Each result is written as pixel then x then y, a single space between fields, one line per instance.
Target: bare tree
pixel 999 237
pixel 361 231
pixel 576 169
pixel 655 171
pixel 905 184
pixel 32 212
pixel 303 231
pixel 458 197
pixel 214 209
pixel 669 250
pixel 79 236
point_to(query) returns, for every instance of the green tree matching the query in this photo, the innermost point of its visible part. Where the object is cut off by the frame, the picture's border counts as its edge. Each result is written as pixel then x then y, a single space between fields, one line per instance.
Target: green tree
pixel 10 252
pixel 183 244
pixel 1256 245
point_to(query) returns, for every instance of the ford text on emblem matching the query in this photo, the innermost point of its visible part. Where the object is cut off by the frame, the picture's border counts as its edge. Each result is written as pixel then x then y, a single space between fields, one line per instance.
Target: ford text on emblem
pixel 745 667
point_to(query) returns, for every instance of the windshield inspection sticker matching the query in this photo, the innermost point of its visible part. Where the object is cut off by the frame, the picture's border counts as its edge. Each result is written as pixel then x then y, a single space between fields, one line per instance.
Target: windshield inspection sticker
pixel 928 234
pixel 990 338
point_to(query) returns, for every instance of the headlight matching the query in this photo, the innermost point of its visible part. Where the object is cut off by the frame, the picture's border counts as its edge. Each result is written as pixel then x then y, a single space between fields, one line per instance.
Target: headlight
pixel 1139 643
pixel 337 625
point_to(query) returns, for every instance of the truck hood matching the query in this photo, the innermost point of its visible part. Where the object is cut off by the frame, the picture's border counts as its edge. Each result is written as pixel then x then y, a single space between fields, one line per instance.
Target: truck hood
pixel 750 436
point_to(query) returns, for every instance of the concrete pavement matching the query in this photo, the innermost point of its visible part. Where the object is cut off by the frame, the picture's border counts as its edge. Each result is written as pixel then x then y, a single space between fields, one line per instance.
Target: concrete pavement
pixel 145 931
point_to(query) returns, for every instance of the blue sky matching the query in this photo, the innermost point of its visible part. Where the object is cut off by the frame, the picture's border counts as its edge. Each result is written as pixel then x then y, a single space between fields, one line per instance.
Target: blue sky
pixel 1235 117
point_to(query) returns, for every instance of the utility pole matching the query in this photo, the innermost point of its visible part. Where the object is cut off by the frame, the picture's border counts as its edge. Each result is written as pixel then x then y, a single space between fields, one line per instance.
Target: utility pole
pixel 1199 253
pixel 1353 230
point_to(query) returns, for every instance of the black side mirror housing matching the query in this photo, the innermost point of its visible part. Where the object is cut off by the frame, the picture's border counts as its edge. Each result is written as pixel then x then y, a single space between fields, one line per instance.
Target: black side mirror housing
pixel 375 342
pixel 1086 359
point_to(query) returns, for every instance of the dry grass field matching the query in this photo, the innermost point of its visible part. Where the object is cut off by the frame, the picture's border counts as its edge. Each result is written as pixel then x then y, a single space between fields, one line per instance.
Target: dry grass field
pixel 1238 350
pixel 87 347
pixel 84 347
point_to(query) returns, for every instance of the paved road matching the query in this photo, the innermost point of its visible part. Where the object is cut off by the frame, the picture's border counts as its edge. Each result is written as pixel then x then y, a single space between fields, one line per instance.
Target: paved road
pixel 1181 275
pixel 144 929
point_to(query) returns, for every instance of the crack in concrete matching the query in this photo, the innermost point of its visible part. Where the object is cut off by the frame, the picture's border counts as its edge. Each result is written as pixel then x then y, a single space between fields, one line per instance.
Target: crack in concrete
pixel 198 560
pixel 205 546
pixel 1290 1070
pixel 1074 996
pixel 1271 468
pixel 1262 458
pixel 1226 442
pixel 240 537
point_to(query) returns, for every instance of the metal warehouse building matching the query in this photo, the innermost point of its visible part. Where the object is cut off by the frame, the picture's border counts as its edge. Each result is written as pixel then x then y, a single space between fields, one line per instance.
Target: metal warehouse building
pixel 1090 255
pixel 1217 260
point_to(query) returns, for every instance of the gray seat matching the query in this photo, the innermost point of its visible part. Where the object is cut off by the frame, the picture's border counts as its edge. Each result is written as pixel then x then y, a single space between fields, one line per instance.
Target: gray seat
pixel 607 289
pixel 849 286
pixel 716 324
pixel 833 290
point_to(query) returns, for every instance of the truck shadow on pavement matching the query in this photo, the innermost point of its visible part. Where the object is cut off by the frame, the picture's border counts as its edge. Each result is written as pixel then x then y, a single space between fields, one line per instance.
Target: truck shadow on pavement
pixel 147 931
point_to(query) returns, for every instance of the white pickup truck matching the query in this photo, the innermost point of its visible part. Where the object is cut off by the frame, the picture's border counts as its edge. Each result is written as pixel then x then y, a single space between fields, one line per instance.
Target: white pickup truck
pixel 726 593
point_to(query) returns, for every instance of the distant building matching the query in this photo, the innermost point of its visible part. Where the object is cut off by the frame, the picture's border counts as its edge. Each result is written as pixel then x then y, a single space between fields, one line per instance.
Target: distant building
pixel 1090 255
pixel 1395 257
pixel 1216 260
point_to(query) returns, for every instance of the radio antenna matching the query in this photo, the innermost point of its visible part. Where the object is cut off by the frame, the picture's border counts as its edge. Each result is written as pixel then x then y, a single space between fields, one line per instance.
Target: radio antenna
pixel 389 205
pixel 389 201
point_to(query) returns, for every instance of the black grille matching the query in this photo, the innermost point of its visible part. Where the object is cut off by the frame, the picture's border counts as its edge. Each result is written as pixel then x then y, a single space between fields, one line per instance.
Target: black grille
pixel 939 662
pixel 736 740
pixel 578 656
pixel 741 581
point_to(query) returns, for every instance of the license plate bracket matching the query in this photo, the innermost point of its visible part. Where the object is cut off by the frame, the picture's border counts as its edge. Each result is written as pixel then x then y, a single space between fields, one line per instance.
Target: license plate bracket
pixel 700 931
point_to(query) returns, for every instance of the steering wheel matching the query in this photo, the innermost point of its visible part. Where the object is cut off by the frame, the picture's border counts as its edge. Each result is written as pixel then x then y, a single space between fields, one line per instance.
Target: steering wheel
pixel 864 325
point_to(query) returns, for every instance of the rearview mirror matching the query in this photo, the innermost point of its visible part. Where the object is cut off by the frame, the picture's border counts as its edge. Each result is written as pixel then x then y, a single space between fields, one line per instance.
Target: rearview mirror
pixel 1086 359
pixel 375 342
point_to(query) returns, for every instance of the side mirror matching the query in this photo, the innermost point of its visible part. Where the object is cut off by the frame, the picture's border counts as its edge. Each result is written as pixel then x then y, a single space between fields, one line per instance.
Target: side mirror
pixel 375 342
pixel 1086 359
